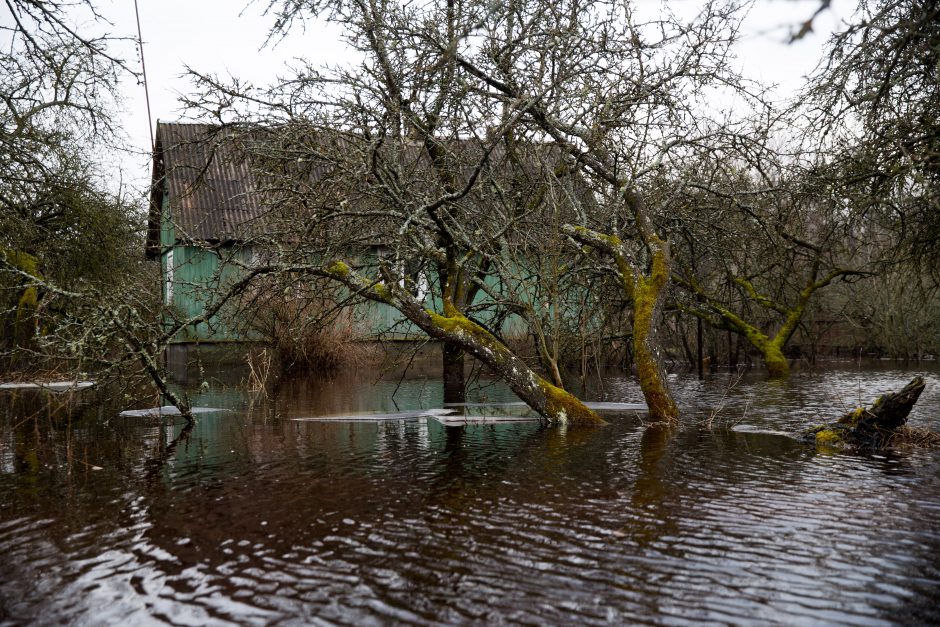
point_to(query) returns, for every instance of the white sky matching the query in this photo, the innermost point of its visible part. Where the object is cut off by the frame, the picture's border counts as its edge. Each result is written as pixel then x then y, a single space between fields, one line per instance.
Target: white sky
pixel 226 36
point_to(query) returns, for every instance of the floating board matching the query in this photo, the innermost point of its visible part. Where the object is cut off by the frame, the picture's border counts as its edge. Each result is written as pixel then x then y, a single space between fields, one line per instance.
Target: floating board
pixel 605 406
pixel 513 404
pixel 458 420
pixel 166 410
pixel 755 429
pixel 380 417
pixel 52 386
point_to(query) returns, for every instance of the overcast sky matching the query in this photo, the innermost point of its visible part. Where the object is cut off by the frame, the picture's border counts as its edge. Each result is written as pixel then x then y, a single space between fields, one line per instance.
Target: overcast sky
pixel 226 36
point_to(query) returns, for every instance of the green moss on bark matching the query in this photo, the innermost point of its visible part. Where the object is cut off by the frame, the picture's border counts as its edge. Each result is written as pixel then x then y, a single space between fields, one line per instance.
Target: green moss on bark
pixel 566 407
pixel 646 295
pixel 460 325
pixel 27 305
pixel 339 268
pixel 777 365
pixel 551 401
pixel 828 437
pixel 852 418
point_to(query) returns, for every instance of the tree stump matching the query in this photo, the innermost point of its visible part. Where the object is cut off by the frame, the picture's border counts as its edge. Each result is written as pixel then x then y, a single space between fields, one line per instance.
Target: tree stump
pixel 870 428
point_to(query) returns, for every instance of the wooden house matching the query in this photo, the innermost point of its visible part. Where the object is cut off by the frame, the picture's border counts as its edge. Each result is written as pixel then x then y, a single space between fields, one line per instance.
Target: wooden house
pixel 206 214
pixel 201 211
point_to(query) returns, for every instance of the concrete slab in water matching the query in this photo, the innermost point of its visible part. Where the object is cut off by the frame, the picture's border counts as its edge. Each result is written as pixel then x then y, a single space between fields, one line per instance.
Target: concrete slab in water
pixel 380 417
pixel 52 386
pixel 458 420
pixel 513 404
pixel 755 429
pixel 166 410
pixel 606 406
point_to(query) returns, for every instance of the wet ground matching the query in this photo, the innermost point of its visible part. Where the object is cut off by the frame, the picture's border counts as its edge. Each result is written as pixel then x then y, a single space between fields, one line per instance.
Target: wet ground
pixel 261 519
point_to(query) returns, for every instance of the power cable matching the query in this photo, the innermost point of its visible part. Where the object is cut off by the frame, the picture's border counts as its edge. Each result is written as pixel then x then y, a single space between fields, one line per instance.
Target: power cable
pixel 143 67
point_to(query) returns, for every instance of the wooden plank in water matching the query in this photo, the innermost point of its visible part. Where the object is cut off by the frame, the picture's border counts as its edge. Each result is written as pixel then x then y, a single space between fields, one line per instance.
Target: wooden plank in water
pixel 52 386
pixel 608 406
pixel 166 410
pixel 512 404
pixel 458 420
pixel 595 405
pixel 379 417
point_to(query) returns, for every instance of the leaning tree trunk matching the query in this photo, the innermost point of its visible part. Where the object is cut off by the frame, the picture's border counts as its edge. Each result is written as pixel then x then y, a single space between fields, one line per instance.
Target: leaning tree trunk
pixel 873 427
pixel 552 402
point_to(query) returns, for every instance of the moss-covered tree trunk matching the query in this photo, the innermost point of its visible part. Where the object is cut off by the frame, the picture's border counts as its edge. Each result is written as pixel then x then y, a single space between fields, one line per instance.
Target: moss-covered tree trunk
pixel 552 402
pixel 771 349
pixel 454 328
pixel 648 294
pixel 771 353
pixel 645 292
pixel 452 356
pixel 873 427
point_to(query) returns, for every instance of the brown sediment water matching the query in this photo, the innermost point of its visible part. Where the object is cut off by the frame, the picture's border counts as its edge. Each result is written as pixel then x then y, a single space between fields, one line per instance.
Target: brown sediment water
pixel 257 518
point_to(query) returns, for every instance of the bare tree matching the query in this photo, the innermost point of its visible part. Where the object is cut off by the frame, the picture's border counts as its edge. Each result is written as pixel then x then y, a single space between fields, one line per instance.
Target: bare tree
pixel 759 240
pixel 623 98
pixel 469 133
pixel 873 103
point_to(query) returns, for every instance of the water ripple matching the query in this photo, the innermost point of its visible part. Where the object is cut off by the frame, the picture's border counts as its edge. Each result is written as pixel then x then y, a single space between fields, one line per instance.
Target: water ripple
pixel 261 521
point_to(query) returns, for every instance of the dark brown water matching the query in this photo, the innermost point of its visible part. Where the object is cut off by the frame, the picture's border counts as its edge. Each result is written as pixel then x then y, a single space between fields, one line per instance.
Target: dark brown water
pixel 260 519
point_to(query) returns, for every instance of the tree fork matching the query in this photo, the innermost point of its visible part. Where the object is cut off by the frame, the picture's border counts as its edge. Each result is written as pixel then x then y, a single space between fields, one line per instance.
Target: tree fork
pixel 646 293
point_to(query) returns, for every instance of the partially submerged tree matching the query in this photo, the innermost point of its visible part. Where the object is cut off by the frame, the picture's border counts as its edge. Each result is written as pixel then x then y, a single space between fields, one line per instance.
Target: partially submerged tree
pixel 419 145
pixel 757 245
pixel 877 426
pixel 395 234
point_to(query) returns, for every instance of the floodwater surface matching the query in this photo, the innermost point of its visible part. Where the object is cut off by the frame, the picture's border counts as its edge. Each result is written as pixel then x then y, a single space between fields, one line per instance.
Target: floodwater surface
pixel 260 519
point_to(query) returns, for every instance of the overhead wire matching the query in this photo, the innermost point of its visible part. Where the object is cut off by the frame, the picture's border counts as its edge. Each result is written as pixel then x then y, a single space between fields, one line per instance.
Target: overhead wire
pixel 143 68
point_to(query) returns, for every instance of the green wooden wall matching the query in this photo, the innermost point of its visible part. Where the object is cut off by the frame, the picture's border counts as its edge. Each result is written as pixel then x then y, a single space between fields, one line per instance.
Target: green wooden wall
pixel 193 279
pixel 193 276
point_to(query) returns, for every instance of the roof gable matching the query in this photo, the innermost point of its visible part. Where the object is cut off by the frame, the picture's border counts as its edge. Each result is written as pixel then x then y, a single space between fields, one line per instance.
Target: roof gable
pixel 210 186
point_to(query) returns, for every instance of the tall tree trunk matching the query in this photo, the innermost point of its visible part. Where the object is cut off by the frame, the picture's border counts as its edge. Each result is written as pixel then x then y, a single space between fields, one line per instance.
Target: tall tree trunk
pixel 455 384
pixel 776 362
pixel 698 341
pixel 646 293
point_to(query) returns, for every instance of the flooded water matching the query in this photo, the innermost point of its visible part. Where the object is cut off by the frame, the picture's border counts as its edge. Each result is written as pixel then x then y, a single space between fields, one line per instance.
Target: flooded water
pixel 260 519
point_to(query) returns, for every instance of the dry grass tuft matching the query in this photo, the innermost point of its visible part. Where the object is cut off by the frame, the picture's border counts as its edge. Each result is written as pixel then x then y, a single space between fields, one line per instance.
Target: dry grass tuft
pixel 318 349
pixel 304 331
pixel 908 437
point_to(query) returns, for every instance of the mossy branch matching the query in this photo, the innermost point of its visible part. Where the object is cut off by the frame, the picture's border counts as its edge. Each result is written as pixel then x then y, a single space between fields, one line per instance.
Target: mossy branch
pixel 759 298
pixel 614 247
pixel 455 328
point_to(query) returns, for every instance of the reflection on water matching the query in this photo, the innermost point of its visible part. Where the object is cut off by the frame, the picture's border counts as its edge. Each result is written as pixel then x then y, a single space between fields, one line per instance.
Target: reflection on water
pixel 259 519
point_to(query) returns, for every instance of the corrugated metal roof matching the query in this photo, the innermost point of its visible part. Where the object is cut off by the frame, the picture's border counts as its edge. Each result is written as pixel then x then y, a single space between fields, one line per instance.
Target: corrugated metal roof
pixel 215 193
pixel 212 192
